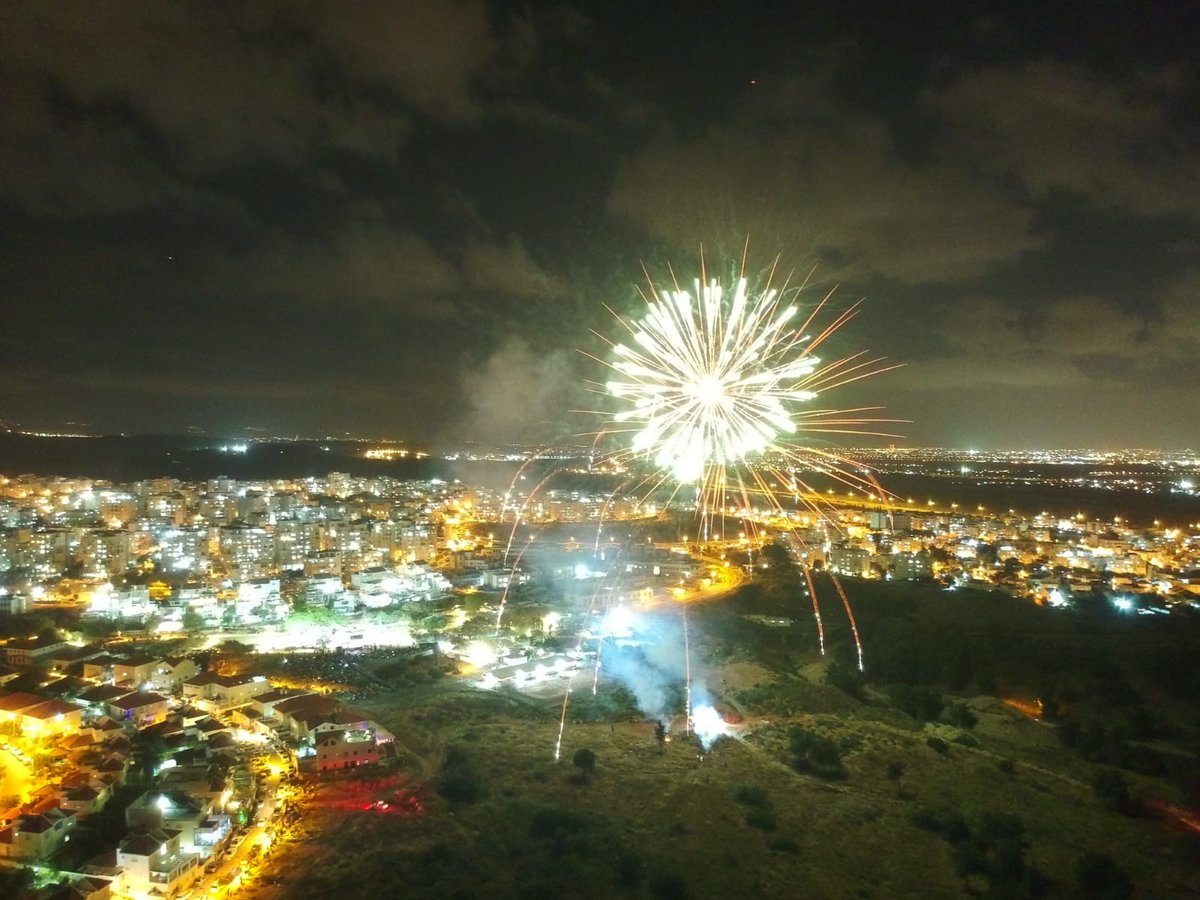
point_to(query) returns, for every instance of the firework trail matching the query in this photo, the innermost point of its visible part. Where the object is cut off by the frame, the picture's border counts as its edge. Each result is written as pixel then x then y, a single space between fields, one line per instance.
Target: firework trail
pixel 562 719
pixel 812 591
pixel 596 671
pixel 850 615
pixel 508 584
pixel 591 609
pixel 520 513
pixel 687 659
pixel 562 722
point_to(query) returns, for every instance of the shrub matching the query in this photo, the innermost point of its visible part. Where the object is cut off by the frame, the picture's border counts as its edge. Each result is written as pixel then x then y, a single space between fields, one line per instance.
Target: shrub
pixel 553 821
pixel 921 703
pixel 585 761
pixel 762 819
pixel 848 681
pixel 1111 789
pixel 461 786
pixel 458 781
pixel 996 826
pixel 995 850
pixel 669 886
pixel 815 754
pixel 937 745
pixel 947 824
pixel 895 770
pixel 1099 876
pixel 783 845
pixel 630 870
pixel 960 716
pixel 752 795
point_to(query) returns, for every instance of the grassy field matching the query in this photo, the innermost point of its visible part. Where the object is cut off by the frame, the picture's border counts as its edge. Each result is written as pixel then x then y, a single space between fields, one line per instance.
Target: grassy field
pixel 492 814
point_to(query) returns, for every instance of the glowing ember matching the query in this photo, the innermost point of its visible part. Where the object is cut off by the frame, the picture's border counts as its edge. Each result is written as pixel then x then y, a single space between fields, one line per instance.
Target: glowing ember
pixel 708 725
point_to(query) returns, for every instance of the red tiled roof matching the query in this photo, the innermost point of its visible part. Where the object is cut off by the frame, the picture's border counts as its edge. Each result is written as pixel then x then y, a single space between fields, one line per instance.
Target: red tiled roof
pixel 137 700
pixel 19 701
pixel 49 709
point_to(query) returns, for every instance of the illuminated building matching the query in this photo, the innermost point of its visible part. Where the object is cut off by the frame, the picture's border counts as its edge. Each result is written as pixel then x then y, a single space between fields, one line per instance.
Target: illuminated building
pixel 850 559
pixel 169 507
pixel 322 588
pixel 912 566
pixel 36 837
pixel 13 602
pixel 133 671
pixel 183 550
pixel 29 651
pixel 294 542
pixel 209 690
pixel 404 540
pixel 140 708
pixel 50 550
pixel 154 863
pixel 11 555
pixel 323 562
pixel 247 551
pixel 107 550
pixel 345 749
pixel 38 717
pixel 339 484
pixel 352 541
pixel 200 831
pixel 117 508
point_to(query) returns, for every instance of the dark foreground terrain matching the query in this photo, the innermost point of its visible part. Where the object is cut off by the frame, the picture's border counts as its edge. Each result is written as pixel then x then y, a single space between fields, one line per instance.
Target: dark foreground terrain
pixel 994 749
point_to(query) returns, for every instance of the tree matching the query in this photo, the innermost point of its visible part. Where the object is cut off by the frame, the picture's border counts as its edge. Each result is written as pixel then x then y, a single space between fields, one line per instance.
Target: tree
pixel 1111 788
pixel 13 882
pixel 923 704
pixel 958 714
pixel 585 761
pixel 1100 876
pixel 458 780
pixel 779 574
pixel 848 681
pixel 816 754
pixel 149 746
pixel 192 620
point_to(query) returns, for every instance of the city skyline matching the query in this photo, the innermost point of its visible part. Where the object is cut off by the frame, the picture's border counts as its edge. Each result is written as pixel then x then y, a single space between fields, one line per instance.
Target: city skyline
pixel 408 222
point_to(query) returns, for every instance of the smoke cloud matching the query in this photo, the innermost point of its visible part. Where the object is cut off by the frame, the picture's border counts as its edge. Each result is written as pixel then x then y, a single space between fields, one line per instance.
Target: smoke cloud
pixel 521 395
pixel 654 670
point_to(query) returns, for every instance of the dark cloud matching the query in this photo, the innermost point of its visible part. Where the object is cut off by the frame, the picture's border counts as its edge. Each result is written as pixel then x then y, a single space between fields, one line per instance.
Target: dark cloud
pixel 1049 126
pixel 405 218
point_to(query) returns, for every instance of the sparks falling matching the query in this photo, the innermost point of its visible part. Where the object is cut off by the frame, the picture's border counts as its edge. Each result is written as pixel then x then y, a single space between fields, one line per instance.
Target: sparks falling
pixel 715 387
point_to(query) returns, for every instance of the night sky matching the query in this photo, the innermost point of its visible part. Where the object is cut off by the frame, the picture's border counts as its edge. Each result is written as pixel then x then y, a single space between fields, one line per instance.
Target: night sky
pixel 404 219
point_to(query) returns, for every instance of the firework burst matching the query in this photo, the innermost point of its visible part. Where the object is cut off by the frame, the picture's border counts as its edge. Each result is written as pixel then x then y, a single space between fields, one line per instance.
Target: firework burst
pixel 710 382
pixel 716 387
pixel 715 381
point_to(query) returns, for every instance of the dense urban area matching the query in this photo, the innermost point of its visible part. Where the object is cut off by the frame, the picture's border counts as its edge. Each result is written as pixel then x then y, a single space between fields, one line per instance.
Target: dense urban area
pixel 191 666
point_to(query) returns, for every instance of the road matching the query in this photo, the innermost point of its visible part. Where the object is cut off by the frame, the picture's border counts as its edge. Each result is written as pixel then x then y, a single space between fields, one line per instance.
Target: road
pixel 14 776
pixel 217 883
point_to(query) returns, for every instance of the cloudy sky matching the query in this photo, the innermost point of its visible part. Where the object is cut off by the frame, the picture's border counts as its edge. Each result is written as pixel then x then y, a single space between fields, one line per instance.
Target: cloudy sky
pixel 406 218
